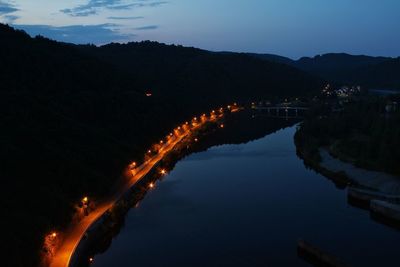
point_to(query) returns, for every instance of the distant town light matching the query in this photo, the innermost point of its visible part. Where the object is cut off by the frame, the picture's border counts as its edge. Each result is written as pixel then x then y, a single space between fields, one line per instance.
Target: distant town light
pixel 148 94
pixel 222 126
pixel 85 200
pixel 151 185
pixel 163 172
pixel 54 234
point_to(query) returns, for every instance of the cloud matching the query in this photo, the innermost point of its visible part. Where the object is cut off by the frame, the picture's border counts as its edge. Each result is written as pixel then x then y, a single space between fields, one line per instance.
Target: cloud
pixel 144 28
pixel 92 7
pixel 10 18
pixel 125 18
pixel 78 34
pixel 6 8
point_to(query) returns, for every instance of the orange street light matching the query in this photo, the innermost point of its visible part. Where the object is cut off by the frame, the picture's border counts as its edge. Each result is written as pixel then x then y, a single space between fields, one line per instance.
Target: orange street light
pixel 151 185
pixel 149 151
pixel 54 235
pixel 85 200
pixel 222 126
pixel 163 172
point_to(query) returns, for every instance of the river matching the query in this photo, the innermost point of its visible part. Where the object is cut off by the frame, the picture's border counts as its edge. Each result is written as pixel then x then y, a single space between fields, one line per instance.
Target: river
pixel 247 205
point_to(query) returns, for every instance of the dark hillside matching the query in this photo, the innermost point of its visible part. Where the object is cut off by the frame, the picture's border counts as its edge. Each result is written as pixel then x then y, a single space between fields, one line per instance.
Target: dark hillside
pixel 385 75
pixel 370 72
pixel 193 72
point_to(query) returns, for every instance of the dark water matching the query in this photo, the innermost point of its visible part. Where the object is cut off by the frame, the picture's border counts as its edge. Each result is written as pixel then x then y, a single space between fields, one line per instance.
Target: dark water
pixel 247 205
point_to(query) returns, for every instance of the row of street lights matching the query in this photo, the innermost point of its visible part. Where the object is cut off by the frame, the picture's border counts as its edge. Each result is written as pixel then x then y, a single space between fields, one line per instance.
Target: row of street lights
pixel 194 122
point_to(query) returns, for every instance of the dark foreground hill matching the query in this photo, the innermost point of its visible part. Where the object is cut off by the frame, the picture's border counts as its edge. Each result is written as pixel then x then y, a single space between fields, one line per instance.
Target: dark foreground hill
pixel 72 117
pixel 370 72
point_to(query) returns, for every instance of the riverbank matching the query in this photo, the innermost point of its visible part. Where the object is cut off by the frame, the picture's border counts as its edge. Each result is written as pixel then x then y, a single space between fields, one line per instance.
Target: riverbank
pixel 343 173
pixel 375 191
pixel 311 157
pixel 68 251
pixel 375 180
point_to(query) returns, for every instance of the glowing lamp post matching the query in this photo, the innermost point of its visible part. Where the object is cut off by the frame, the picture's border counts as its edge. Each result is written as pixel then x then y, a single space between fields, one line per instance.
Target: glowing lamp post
pixel 85 205
pixel 133 165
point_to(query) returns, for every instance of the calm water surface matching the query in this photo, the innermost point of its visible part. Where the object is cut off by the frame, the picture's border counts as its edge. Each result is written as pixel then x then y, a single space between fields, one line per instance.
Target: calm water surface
pixel 247 205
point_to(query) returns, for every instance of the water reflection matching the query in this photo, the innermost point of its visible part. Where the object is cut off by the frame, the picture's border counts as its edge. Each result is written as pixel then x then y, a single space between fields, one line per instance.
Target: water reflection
pixel 247 205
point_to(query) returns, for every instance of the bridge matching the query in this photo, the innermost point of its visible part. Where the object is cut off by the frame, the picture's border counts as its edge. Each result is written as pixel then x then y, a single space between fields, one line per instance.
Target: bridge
pixel 281 111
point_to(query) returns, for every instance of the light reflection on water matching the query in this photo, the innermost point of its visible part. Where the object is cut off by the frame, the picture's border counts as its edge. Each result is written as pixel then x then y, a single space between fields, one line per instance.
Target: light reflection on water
pixel 247 205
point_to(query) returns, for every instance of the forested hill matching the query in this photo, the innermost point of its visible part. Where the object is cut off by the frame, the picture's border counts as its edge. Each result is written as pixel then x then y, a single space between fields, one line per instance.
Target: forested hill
pixel 72 117
pixel 190 72
pixel 368 71
pixel 385 75
pixel 39 64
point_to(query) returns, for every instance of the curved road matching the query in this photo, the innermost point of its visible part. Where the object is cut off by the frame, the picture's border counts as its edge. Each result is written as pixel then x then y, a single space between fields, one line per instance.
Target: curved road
pixel 75 233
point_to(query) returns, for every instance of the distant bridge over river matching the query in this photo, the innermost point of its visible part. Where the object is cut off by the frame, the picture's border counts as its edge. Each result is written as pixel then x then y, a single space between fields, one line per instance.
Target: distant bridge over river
pixel 281 111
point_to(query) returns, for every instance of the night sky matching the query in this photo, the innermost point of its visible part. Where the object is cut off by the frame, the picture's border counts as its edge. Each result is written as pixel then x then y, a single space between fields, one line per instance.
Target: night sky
pixel 292 28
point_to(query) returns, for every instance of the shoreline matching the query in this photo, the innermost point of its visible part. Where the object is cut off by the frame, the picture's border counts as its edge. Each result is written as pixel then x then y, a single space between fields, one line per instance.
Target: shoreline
pixel 68 254
pixel 374 191
pixel 345 174
pixel 373 180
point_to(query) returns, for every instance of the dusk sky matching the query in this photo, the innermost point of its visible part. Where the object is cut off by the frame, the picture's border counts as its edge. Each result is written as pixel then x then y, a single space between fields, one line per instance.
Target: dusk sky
pixel 292 28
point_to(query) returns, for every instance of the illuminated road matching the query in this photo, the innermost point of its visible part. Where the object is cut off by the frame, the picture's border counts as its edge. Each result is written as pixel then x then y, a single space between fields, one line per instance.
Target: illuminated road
pixel 75 233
